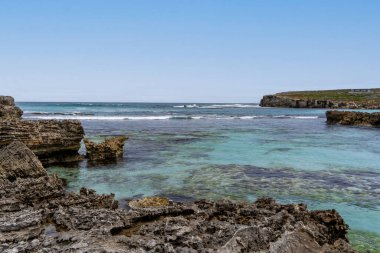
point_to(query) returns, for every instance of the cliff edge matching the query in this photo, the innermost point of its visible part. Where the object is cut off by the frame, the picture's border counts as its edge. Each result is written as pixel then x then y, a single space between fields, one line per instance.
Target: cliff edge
pixel 347 99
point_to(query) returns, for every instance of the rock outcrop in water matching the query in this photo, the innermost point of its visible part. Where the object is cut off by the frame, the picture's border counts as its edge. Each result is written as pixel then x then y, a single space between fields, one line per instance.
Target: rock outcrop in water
pixel 38 215
pixel 353 118
pixel 8 109
pixel 107 151
pixel 53 141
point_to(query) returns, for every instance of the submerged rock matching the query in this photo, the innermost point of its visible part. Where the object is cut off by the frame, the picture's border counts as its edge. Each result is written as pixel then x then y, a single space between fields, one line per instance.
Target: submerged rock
pixel 16 160
pixel 107 151
pixel 353 118
pixel 8 109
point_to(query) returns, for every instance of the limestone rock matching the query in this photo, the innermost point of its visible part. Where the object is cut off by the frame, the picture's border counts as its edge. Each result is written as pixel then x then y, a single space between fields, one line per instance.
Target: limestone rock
pixel 147 202
pixel 108 151
pixel 38 215
pixel 280 101
pixel 8 109
pixel 16 160
pixel 353 118
pixel 53 141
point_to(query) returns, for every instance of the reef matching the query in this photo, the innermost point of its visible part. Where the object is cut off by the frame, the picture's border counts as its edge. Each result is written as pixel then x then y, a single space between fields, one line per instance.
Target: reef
pixel 53 141
pixel 38 215
pixel 353 118
pixel 345 99
pixel 107 151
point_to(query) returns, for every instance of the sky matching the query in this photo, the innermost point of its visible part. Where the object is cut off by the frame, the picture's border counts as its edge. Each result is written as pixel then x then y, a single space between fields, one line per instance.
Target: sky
pixel 185 50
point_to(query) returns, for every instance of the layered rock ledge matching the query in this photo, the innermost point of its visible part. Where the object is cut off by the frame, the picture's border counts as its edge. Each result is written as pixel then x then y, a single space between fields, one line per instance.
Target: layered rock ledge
pixel 8 109
pixel 107 151
pixel 353 118
pixel 280 101
pixel 53 141
pixel 38 215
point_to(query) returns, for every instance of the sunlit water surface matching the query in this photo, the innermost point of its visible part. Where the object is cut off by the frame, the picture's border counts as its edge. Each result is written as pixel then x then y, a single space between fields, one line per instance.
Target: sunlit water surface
pixel 239 152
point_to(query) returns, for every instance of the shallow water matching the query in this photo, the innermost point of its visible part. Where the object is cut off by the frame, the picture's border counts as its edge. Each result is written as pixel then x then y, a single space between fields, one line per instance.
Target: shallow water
pixel 239 152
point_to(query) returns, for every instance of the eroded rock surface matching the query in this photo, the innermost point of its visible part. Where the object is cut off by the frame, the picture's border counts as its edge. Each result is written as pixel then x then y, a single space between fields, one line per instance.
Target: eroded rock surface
pixel 353 118
pixel 107 151
pixel 280 101
pixel 8 109
pixel 17 160
pixel 53 141
pixel 292 102
pixel 38 215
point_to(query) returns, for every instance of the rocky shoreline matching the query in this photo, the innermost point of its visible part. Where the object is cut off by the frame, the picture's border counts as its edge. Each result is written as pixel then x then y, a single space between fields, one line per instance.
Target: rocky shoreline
pixel 37 214
pixel 353 118
pixel 333 99
pixel 53 141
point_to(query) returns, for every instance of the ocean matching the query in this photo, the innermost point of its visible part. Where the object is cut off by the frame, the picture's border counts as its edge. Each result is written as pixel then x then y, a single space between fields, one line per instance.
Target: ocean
pixel 231 151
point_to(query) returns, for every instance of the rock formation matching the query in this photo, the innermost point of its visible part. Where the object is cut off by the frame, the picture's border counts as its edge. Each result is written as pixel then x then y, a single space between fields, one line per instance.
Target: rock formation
pixel 344 98
pixel 108 151
pixel 8 109
pixel 280 101
pixel 353 118
pixel 53 141
pixel 38 215
pixel 17 160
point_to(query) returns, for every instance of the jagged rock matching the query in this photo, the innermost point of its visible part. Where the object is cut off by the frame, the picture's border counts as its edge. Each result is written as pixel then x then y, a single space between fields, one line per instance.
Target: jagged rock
pixel 147 202
pixel 53 141
pixel 17 160
pixel 353 118
pixel 107 151
pixel 8 109
pixel 38 215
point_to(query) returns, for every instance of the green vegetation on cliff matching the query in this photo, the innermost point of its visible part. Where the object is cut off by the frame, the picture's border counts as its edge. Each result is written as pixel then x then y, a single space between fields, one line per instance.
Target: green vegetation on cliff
pixel 346 95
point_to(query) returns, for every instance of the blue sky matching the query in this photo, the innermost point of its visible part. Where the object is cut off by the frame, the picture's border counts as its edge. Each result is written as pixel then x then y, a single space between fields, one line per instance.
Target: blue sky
pixel 185 50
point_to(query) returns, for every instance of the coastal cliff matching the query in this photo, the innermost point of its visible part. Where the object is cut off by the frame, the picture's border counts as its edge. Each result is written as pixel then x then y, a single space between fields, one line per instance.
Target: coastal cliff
pixel 353 118
pixel 38 215
pixel 53 141
pixel 348 99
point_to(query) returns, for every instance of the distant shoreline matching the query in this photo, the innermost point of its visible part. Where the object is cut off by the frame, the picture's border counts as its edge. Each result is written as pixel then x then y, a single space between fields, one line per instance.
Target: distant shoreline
pixel 328 99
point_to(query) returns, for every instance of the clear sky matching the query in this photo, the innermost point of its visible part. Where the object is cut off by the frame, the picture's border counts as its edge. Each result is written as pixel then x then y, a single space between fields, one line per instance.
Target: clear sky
pixel 185 50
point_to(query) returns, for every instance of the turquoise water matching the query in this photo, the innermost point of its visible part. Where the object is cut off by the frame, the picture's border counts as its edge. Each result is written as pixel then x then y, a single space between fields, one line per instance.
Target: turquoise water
pixel 235 151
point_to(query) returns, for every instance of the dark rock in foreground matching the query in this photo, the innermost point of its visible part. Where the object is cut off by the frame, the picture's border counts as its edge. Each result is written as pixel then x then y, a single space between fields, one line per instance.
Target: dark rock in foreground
pixel 38 215
pixel 107 151
pixel 353 118
pixel 17 160
pixel 8 109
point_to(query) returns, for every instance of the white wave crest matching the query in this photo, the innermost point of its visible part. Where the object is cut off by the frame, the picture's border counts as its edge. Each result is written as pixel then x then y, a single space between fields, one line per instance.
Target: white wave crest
pixel 165 117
